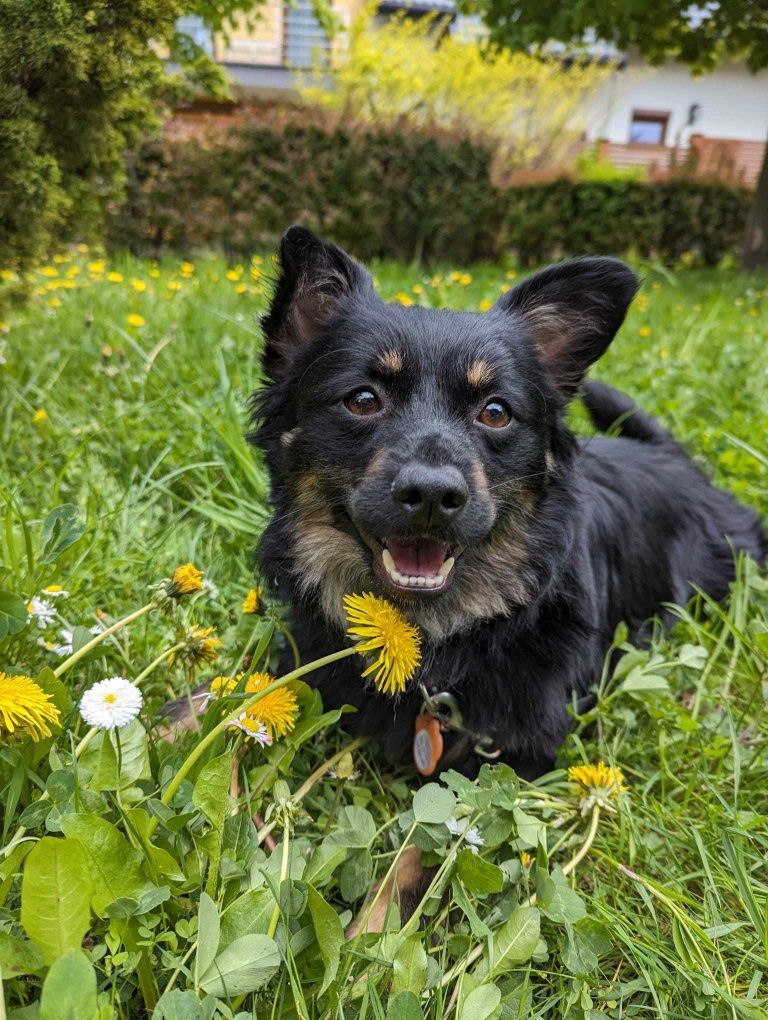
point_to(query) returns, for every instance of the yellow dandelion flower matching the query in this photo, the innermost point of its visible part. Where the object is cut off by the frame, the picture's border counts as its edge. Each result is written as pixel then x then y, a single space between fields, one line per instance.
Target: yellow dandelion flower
pixel 97 267
pixel 186 268
pixel 385 630
pixel 417 288
pixel 25 706
pixel 7 274
pixel 644 331
pixel 240 288
pixel 39 416
pixel 512 274
pixel 257 260
pixel 136 320
pixel 504 288
pixel 114 277
pixel 138 285
pixel 73 271
pixel 256 274
pixel 233 275
pixel 252 603
pixel 277 711
pixel 83 249
pixel 186 580
pixel 154 272
pixel 222 685
pixel 526 859
pixel 201 646
pixel 173 284
pixel 436 280
pixel 455 276
pixel 465 279
pixel 404 299
pixel 49 271
pixel 55 302
pixel 486 304
pixel 600 781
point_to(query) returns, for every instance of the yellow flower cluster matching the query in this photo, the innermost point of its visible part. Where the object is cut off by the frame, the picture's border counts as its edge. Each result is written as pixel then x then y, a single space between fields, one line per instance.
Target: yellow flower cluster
pixel 384 630
pixel 276 711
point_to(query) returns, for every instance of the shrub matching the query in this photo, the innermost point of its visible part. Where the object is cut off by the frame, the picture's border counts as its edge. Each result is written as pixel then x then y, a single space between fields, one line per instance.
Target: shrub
pixel 406 195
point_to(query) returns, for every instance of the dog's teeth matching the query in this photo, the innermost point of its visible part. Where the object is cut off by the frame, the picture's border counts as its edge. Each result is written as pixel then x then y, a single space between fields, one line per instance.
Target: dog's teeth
pixel 389 563
pixel 420 581
pixel 447 567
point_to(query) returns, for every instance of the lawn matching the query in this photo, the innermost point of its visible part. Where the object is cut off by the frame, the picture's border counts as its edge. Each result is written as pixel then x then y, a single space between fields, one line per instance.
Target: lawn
pixel 123 386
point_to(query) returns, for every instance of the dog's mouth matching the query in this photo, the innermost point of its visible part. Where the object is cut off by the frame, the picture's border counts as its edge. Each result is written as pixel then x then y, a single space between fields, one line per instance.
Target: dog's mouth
pixel 414 565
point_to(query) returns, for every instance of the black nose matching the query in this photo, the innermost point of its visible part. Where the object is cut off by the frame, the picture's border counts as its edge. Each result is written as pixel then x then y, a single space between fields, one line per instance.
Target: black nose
pixel 430 495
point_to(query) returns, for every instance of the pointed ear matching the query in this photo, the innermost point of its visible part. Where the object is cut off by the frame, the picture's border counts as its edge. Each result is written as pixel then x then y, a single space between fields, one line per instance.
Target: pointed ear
pixel 572 312
pixel 314 278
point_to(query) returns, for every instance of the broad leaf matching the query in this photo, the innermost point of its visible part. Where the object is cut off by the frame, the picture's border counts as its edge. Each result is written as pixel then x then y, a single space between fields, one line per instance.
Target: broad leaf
pixel 17 956
pixel 249 963
pixel 69 991
pixel 115 865
pixel 63 526
pixel 409 967
pixel 208 934
pixel 479 876
pixel 514 943
pixel 56 896
pixel 13 614
pixel 480 1003
pixel 328 932
pixel 433 804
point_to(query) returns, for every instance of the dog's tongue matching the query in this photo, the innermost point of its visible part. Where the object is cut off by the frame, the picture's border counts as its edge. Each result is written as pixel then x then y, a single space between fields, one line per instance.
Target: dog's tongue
pixel 420 557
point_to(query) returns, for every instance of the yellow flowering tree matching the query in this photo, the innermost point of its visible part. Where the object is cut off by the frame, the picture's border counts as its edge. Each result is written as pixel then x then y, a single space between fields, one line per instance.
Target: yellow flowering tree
pixel 413 73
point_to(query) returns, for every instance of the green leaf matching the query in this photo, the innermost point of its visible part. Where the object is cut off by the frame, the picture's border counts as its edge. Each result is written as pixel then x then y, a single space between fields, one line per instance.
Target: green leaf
pixel 328 932
pixel 56 896
pixel 587 941
pixel 63 526
pixel 355 877
pixel 409 967
pixel 323 862
pixel 102 759
pixel 356 829
pixel 116 867
pixel 17 956
pixel 211 792
pixel 13 614
pixel 250 914
pixel 69 991
pixel 178 1005
pixel 480 1003
pixel 529 828
pixel 514 943
pixel 433 804
pixel 479 876
pixel 249 963
pixel 557 900
pixel 208 934
pixel 404 1006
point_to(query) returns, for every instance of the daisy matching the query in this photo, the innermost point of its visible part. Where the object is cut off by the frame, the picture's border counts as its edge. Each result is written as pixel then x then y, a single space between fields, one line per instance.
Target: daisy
pixel 55 591
pixel 254 729
pixel 43 611
pixel 111 703
pixel 386 631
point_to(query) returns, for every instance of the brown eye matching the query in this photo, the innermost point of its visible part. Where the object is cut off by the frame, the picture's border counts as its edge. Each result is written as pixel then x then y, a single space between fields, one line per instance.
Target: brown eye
pixel 495 415
pixel 363 402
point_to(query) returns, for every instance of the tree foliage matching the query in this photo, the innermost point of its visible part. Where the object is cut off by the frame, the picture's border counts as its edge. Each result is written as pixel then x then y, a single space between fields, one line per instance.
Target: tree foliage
pixel 411 73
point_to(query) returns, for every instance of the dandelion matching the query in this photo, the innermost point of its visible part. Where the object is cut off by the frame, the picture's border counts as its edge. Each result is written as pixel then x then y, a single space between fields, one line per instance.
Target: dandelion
pixel 404 299
pixel 24 705
pixel 82 248
pixel 42 611
pixel 596 785
pixel 173 284
pixel 222 685
pixel 114 277
pixel 200 646
pixel 136 320
pixel 111 703
pixel 55 302
pixel 233 275
pixel 277 710
pixel 7 275
pixel 252 603
pixel 73 271
pixel 49 271
pixel 486 304
pixel 138 285
pixel 186 580
pixel 465 279
pixel 240 288
pixel 417 288
pixel 154 272
pixel 186 268
pixel 644 331
pixel 97 267
pixel 384 629
pixel 39 416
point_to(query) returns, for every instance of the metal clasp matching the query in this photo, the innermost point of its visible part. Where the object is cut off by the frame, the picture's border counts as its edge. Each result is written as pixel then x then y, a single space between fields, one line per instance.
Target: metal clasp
pixel 444 707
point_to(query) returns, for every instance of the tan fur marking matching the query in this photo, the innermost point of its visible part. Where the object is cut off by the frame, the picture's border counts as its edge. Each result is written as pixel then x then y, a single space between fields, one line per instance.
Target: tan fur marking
pixel 390 361
pixel 288 437
pixel 479 373
pixel 407 876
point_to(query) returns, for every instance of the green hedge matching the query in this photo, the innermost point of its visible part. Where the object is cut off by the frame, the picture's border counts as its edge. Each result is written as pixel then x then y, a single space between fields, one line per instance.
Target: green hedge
pixel 405 196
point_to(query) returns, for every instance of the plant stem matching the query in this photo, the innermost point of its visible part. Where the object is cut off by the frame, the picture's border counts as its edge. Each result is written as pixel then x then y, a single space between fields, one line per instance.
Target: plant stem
pixel 283 875
pixel 197 751
pixel 77 656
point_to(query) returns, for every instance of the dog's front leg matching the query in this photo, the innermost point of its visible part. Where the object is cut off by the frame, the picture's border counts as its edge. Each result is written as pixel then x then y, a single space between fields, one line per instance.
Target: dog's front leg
pixel 406 885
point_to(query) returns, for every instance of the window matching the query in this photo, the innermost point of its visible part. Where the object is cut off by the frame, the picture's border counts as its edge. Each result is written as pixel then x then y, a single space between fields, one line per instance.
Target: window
pixel 197 30
pixel 304 34
pixel 648 127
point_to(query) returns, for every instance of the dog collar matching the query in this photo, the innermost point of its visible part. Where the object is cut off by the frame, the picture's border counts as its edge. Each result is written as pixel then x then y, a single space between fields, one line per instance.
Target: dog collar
pixel 440 712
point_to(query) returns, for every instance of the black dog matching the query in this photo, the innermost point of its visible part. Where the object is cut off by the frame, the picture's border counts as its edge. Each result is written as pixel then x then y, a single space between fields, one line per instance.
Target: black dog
pixel 422 455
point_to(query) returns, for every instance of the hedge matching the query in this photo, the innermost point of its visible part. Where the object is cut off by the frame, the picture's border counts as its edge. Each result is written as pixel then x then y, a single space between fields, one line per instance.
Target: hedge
pixel 403 195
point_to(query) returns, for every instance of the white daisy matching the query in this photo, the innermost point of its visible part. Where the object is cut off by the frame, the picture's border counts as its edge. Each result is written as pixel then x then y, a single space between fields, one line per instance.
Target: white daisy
pixel 55 591
pixel 42 611
pixel 111 703
pixel 253 728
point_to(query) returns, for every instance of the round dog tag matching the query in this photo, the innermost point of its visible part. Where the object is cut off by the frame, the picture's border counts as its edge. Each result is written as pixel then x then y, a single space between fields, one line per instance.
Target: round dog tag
pixel 427 743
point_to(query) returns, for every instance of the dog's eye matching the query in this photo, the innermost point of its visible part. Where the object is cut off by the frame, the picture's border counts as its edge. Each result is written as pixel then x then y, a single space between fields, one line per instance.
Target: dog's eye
pixel 495 415
pixel 363 402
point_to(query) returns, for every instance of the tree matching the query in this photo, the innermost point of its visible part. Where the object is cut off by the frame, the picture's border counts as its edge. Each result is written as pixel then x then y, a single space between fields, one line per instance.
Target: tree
pixel 79 81
pixel 700 35
pixel 409 72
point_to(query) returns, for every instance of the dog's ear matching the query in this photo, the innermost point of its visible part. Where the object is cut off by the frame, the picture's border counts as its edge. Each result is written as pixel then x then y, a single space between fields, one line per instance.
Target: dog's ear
pixel 314 277
pixel 572 312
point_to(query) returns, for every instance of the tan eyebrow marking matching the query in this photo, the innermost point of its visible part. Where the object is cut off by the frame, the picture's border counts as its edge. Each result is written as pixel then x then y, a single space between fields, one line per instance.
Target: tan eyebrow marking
pixel 390 361
pixel 479 373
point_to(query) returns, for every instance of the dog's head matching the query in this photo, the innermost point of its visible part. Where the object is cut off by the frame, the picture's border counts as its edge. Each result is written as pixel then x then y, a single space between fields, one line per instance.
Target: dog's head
pixel 410 448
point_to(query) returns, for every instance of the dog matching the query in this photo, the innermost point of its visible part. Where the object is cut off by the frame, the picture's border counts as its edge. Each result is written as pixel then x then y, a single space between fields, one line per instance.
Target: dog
pixel 422 454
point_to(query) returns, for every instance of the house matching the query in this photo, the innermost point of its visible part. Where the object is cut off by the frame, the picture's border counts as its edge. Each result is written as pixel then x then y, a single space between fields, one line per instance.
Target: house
pixel 644 116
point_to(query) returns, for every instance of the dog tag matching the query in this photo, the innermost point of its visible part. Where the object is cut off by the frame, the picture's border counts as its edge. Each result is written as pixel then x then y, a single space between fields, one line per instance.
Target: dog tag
pixel 427 743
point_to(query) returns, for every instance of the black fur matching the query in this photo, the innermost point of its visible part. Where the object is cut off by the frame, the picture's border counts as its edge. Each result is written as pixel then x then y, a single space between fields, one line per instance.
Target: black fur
pixel 562 538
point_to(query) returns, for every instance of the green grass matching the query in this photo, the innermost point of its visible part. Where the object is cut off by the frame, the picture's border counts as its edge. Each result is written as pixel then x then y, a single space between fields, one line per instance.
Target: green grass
pixel 143 433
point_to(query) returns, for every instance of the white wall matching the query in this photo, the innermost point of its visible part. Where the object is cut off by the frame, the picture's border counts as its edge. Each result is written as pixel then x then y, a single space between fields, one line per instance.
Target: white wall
pixel 734 103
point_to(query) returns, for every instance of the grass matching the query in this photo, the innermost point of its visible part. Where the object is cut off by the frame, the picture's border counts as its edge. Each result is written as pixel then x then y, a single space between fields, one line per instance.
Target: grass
pixel 138 423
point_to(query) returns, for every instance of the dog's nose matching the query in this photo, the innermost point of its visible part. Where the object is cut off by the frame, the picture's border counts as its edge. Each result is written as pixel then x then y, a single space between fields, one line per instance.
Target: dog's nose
pixel 430 495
